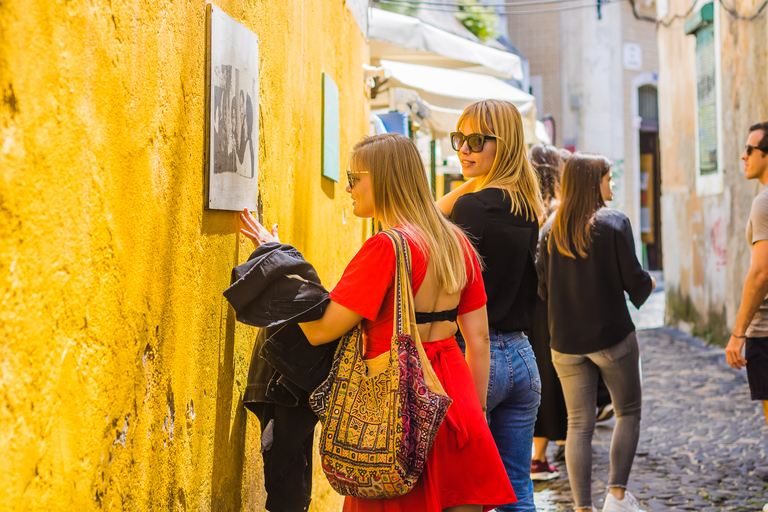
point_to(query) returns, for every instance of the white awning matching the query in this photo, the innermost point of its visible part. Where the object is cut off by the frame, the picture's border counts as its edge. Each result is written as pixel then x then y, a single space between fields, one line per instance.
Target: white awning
pixel 453 89
pixel 407 39
pixel 445 93
pixel 443 121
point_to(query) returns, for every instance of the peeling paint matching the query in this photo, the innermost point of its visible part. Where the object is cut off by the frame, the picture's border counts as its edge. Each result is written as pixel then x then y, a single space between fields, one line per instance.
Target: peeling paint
pixel 122 434
pixel 170 419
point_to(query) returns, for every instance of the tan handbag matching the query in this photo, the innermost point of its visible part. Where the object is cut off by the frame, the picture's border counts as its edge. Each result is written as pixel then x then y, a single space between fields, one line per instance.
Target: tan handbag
pixel 380 417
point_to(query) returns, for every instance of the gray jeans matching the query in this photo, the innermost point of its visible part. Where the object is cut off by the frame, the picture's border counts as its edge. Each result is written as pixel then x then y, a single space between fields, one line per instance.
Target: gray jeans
pixel 578 375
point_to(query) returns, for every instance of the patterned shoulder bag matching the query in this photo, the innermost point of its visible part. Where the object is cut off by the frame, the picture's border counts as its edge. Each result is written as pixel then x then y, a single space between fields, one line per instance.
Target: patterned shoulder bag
pixel 380 417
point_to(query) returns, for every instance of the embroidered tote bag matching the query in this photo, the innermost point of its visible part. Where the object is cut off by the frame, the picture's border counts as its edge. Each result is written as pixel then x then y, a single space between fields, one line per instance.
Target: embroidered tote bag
pixel 380 417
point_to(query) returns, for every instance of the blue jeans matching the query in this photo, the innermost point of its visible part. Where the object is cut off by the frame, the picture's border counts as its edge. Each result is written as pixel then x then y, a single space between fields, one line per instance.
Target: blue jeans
pixel 514 394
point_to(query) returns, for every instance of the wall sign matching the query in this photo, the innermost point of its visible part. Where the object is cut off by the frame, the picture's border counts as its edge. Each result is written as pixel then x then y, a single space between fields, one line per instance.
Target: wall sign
pixel 233 113
pixel 330 128
pixel 633 56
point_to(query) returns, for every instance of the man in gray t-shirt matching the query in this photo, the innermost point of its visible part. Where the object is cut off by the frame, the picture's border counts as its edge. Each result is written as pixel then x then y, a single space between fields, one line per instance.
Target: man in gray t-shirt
pixel 751 326
pixel 757 231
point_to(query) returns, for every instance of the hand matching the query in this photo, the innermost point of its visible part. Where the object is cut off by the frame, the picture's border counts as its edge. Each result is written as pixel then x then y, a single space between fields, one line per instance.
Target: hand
pixel 255 231
pixel 446 202
pixel 653 284
pixel 733 353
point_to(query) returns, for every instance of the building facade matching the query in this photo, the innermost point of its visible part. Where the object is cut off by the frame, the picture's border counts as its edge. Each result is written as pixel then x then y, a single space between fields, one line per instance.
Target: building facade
pixel 712 80
pixel 122 366
pixel 593 72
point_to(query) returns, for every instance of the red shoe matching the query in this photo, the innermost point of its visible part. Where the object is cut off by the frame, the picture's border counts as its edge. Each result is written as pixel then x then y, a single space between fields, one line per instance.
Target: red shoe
pixel 542 471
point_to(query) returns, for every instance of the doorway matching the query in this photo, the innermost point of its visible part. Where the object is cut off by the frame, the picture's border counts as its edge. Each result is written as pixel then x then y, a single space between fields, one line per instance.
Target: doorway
pixel 650 177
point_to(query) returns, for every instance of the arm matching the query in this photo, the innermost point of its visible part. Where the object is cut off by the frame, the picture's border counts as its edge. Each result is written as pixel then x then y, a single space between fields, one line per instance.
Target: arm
pixel 446 202
pixel 637 282
pixel 335 322
pixel 755 289
pixel 474 328
pixel 542 267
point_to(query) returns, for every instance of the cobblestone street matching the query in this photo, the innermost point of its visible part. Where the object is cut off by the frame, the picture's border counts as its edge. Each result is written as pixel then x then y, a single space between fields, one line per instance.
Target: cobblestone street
pixel 703 442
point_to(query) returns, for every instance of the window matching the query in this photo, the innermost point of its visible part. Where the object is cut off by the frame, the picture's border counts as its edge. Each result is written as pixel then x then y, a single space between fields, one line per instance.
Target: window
pixel 648 107
pixel 706 99
pixel 703 25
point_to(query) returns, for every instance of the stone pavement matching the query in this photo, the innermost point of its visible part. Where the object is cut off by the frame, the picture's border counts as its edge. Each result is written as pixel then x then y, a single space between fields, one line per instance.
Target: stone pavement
pixel 703 442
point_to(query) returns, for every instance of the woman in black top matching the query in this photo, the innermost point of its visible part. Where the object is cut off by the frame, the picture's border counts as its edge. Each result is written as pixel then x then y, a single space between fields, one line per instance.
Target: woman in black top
pixel 587 261
pixel 551 421
pixel 499 209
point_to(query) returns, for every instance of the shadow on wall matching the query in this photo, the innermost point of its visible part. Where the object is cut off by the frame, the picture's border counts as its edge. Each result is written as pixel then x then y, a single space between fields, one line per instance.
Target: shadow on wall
pixel 229 433
pixel 681 313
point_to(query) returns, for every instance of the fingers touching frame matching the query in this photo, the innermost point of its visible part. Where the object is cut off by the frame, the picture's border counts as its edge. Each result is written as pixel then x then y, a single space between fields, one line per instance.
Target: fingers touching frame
pixel 257 233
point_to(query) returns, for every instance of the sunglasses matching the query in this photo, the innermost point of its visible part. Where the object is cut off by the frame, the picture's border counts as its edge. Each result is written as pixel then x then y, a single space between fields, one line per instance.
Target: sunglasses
pixel 351 179
pixel 475 141
pixel 749 149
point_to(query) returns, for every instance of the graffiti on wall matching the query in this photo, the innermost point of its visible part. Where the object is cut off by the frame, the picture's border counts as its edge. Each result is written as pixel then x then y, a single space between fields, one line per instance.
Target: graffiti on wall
pixel 717 239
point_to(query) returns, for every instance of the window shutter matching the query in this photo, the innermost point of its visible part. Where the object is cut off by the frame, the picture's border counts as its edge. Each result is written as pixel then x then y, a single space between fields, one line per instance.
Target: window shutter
pixel 648 103
pixel 706 99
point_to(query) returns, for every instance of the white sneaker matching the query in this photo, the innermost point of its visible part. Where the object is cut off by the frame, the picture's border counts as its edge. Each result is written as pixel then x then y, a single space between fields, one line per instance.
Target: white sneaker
pixel 765 507
pixel 628 504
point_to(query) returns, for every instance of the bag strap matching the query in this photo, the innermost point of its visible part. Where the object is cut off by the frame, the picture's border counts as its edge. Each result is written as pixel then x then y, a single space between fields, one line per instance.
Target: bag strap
pixel 404 310
pixel 405 307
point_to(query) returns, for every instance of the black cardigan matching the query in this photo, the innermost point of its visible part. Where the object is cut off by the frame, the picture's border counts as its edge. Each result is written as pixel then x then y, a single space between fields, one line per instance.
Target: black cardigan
pixel 587 308
pixel 507 244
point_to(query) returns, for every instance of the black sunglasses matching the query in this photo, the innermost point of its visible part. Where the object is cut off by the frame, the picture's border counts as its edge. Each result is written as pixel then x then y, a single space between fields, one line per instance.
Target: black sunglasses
pixel 351 179
pixel 750 149
pixel 475 141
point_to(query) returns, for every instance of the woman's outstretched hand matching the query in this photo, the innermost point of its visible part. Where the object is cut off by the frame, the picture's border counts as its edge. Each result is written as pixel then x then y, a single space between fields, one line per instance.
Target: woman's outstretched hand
pixel 255 231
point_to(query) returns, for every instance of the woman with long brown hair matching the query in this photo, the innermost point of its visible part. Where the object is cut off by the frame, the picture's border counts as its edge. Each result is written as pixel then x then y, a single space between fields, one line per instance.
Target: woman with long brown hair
pixel 548 163
pixel 387 182
pixel 551 420
pixel 587 261
pixel 500 207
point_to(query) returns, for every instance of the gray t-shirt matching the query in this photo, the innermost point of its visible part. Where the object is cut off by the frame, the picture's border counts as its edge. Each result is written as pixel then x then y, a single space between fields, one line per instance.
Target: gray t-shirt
pixel 757 229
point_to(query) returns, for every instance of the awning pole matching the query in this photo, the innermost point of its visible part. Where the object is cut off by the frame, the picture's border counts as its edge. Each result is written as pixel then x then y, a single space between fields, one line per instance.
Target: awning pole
pixel 433 167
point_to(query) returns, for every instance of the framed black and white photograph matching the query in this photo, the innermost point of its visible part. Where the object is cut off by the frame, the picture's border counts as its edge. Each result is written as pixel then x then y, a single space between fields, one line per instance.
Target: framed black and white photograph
pixel 233 115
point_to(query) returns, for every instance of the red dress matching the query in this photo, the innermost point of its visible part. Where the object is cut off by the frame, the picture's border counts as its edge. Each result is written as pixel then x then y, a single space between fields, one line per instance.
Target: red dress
pixel 464 466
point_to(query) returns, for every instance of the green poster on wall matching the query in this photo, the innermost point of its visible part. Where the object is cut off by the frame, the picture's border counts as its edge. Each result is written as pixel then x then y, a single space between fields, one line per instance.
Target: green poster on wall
pixel 330 128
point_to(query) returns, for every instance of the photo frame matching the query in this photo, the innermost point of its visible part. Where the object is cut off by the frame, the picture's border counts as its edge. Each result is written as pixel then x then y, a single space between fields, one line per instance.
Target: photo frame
pixel 233 113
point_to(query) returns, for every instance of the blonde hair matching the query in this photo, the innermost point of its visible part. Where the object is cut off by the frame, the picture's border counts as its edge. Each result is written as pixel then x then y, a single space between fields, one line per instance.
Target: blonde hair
pixel 511 171
pixel 402 197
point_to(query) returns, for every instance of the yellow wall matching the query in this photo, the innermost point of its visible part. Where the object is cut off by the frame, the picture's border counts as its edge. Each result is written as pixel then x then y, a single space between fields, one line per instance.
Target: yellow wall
pixel 121 365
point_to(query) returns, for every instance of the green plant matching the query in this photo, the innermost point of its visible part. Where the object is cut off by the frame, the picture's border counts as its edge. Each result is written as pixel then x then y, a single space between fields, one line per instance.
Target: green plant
pixel 479 19
pixel 406 9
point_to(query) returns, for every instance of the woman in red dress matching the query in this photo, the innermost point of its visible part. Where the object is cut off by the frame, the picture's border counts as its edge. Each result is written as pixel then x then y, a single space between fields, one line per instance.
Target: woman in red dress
pixel 387 181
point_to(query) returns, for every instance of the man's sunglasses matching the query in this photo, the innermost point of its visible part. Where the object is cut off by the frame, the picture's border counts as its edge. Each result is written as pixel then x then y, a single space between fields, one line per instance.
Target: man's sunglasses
pixel 749 149
pixel 351 179
pixel 475 141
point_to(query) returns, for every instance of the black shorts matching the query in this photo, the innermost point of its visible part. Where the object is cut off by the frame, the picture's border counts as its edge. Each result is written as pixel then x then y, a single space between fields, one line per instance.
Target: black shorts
pixel 756 354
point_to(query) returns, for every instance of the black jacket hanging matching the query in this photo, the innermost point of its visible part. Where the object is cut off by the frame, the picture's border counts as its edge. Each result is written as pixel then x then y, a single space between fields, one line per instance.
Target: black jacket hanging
pixel 275 290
